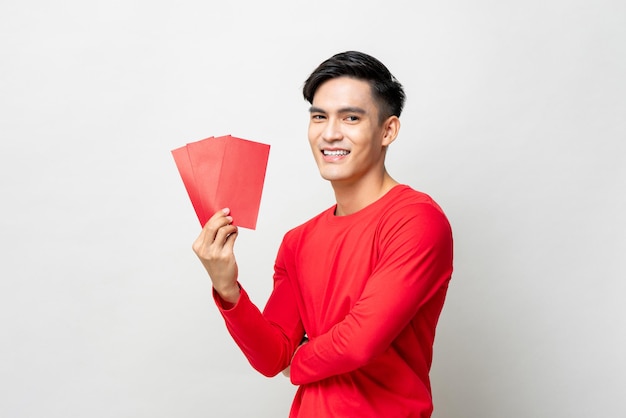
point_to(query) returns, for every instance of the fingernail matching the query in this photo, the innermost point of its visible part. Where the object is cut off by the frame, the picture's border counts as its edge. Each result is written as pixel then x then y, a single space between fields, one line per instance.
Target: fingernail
pixel 226 211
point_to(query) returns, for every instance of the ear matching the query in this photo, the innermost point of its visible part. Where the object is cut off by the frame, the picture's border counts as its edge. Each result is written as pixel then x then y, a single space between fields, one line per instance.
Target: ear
pixel 391 127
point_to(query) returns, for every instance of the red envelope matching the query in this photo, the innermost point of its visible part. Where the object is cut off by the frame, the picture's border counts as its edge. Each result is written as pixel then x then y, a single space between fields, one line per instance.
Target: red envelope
pixel 224 172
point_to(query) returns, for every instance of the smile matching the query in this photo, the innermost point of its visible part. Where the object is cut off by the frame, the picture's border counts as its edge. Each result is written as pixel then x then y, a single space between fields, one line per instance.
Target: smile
pixel 335 152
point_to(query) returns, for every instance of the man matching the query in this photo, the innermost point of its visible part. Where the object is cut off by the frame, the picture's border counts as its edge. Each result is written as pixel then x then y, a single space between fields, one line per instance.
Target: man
pixel 358 289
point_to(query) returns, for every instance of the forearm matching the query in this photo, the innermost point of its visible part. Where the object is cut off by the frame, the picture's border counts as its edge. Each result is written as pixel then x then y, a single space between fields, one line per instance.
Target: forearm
pixel 268 346
pixel 348 346
pixel 406 286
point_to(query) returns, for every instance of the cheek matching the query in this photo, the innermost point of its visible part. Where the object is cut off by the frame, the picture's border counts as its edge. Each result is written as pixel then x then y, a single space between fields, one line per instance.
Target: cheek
pixel 313 145
pixel 313 134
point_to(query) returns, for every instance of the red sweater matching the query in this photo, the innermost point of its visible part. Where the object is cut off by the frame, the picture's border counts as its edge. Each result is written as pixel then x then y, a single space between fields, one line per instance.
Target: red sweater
pixel 367 289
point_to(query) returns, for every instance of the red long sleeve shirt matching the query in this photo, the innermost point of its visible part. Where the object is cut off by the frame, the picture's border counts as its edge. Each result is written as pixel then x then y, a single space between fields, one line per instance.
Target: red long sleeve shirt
pixel 368 289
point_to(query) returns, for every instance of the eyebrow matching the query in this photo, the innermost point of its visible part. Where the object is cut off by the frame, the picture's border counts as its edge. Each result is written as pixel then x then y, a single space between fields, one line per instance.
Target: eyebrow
pixel 348 109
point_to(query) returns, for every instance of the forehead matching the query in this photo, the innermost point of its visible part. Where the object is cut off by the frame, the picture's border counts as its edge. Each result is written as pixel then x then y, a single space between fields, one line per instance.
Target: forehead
pixel 343 91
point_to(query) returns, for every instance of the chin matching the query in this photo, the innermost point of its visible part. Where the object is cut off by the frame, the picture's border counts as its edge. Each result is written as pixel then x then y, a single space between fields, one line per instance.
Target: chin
pixel 333 177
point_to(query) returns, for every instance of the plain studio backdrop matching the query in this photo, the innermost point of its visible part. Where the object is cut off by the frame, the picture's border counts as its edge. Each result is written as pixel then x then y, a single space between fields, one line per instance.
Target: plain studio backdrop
pixel 515 123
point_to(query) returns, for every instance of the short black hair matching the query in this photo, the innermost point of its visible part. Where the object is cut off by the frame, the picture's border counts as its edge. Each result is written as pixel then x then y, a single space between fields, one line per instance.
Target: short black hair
pixel 386 89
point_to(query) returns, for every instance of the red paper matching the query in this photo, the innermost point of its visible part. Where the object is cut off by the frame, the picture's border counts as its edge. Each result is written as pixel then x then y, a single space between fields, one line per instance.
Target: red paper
pixel 224 172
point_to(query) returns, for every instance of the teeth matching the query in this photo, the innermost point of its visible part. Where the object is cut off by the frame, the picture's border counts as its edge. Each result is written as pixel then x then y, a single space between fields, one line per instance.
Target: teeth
pixel 338 152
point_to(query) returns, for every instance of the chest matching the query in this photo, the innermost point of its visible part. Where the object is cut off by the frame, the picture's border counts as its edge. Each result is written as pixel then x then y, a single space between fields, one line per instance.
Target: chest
pixel 331 269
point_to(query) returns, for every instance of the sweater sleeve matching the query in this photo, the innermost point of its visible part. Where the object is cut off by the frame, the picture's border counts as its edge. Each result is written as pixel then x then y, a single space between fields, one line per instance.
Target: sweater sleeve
pixel 268 339
pixel 415 263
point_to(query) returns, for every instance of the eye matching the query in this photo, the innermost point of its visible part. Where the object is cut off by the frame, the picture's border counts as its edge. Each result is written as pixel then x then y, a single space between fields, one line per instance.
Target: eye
pixel 317 117
pixel 352 118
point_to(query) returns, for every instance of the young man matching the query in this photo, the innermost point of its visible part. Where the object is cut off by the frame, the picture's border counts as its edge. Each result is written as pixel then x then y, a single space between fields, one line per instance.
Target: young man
pixel 364 281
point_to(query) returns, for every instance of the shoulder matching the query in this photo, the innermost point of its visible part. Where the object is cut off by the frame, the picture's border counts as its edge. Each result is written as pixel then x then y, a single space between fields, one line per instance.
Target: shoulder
pixel 415 213
pixel 404 201
pixel 404 195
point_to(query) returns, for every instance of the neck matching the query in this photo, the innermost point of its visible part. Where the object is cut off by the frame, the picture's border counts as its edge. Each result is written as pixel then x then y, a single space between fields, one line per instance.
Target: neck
pixel 352 198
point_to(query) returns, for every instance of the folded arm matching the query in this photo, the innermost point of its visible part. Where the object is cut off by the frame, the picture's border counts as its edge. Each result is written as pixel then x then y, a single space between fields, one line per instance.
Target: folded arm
pixel 415 264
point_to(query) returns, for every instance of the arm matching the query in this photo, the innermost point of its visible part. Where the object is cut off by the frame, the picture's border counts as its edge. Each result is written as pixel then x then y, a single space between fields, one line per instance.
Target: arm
pixel 267 339
pixel 415 263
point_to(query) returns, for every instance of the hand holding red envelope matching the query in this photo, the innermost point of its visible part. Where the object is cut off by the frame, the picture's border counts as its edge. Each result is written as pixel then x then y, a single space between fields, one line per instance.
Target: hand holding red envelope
pixel 224 172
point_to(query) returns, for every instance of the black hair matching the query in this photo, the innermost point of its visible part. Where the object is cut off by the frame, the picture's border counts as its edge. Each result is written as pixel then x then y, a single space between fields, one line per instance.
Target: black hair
pixel 387 91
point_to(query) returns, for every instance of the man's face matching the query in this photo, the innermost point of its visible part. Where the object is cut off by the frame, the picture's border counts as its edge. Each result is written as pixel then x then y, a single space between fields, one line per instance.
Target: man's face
pixel 345 134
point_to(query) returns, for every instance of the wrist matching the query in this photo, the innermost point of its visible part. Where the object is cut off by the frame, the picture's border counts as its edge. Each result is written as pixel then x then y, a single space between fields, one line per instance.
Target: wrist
pixel 229 294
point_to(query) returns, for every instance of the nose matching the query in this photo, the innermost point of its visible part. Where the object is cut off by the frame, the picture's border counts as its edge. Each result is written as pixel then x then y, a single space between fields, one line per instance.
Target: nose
pixel 332 131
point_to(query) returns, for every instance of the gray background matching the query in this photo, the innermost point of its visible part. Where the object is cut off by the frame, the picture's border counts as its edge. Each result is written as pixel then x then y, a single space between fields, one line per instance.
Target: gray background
pixel 515 123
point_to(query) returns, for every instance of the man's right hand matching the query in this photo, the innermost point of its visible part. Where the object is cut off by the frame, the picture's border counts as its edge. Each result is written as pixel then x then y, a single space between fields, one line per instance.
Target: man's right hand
pixel 287 371
pixel 214 248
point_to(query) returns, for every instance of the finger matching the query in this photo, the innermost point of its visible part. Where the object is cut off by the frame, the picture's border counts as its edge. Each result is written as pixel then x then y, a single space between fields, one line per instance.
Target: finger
pixel 220 218
pixel 230 240
pixel 225 236
pixel 217 221
pixel 223 213
pixel 208 235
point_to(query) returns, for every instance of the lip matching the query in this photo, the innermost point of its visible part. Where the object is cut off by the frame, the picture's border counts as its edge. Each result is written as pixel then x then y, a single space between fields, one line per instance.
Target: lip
pixel 335 155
